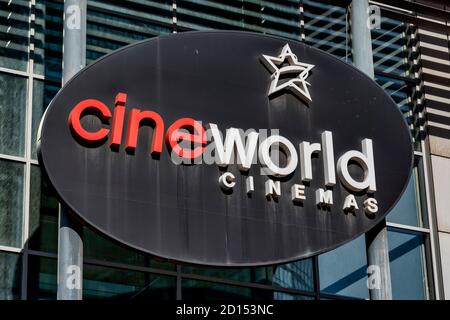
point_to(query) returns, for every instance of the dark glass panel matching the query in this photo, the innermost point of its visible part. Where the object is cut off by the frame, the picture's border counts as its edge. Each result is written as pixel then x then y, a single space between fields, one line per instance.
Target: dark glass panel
pixel 13 97
pixel 11 203
pixel 207 291
pixel 107 283
pixel 42 284
pixel 44 208
pixel 10 276
pixel 14 34
pixel 296 275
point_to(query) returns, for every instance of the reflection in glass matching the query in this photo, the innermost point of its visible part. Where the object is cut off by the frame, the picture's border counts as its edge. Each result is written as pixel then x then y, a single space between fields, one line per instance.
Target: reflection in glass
pixel 400 90
pixel 296 275
pixel 403 92
pixel 289 296
pixel 343 271
pixel 108 283
pixel 280 19
pixel 10 276
pixel 43 94
pixel 408 209
pixel 408 270
pixel 100 248
pixel 389 47
pixel 42 284
pixel 48 38
pixel 13 92
pixel 327 28
pixel 107 32
pixel 43 214
pixel 202 290
pixel 11 203
pixel 14 34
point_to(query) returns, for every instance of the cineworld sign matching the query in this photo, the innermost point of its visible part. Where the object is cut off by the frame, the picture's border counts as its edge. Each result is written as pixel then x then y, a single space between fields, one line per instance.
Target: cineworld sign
pixel 225 148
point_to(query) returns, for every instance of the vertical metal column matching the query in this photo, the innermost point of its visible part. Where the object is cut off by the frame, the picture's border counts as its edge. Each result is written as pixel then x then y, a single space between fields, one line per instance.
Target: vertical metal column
pixel 376 239
pixel 74 38
pixel 361 37
pixel 70 244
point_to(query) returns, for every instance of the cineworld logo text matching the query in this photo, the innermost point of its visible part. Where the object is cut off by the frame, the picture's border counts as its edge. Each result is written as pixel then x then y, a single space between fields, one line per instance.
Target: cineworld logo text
pixel 191 142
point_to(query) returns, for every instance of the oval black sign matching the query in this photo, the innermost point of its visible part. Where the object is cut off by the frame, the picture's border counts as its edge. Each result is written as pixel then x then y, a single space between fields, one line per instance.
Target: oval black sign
pixel 295 152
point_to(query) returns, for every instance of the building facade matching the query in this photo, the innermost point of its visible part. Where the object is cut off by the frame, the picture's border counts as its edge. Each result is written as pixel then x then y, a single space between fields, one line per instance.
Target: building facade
pixel 410 42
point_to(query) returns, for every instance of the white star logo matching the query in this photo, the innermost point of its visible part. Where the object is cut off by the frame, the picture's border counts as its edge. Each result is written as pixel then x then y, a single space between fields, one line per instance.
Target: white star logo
pixel 297 84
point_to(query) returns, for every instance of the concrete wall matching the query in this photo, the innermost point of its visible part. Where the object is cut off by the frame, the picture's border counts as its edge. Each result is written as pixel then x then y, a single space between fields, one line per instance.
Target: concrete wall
pixel 444 243
pixel 441 179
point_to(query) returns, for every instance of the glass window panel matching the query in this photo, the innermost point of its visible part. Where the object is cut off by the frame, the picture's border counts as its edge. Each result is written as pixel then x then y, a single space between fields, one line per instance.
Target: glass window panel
pixel 42 284
pixel 295 275
pixel 343 271
pixel 10 276
pixel 13 93
pixel 43 94
pixel 403 92
pixel 11 203
pixel 407 264
pixel 201 290
pixel 43 228
pixel 389 47
pixel 327 28
pixel 100 248
pixel 281 19
pixel 48 38
pixel 207 291
pixel 405 211
pixel 108 283
pixel 289 296
pixel 239 274
pixel 117 28
pixel 14 34
pixel 410 209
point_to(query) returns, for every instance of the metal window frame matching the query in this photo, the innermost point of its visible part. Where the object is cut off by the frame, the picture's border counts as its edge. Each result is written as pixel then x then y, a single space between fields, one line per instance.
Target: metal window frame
pixel 432 221
pixel 180 275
